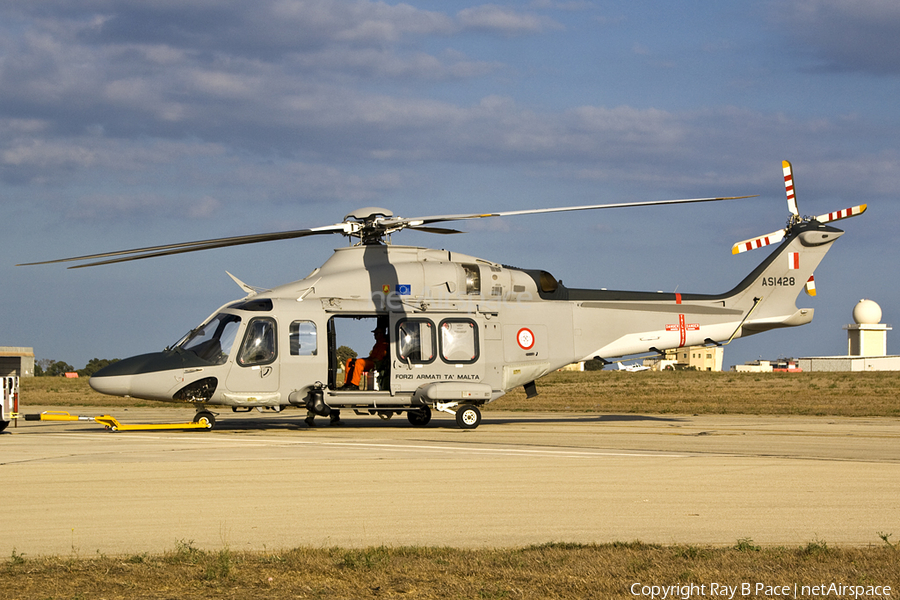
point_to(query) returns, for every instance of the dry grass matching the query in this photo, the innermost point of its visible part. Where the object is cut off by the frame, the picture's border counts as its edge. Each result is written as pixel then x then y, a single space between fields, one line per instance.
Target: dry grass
pixel 59 391
pixel 680 392
pixel 539 572
pixel 694 392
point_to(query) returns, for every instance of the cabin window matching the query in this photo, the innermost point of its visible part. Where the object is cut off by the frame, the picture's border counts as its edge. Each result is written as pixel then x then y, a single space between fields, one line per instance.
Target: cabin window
pixel 459 341
pixel 258 347
pixel 213 341
pixel 415 341
pixel 303 338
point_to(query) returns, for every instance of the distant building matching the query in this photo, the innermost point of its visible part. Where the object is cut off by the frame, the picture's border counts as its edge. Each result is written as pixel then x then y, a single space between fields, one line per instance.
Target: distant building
pixel 701 358
pixel 866 345
pixel 781 365
pixel 787 365
pixel 850 363
pixel 867 337
pixel 16 361
pixel 866 349
pixel 757 366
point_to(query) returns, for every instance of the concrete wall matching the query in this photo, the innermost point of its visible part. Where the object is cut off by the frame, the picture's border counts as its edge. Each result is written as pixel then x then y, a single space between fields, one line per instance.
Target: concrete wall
pixel 850 363
pixel 16 360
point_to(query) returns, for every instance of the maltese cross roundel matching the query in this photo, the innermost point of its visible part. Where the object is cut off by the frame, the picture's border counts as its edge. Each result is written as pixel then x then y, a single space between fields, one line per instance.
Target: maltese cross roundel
pixel 525 338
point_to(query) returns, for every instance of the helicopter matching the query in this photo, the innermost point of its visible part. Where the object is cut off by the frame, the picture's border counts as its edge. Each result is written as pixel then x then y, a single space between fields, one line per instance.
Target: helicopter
pixel 456 331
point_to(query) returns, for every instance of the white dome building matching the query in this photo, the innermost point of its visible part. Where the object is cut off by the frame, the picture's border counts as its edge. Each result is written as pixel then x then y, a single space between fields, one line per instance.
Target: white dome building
pixel 867 337
pixel 866 345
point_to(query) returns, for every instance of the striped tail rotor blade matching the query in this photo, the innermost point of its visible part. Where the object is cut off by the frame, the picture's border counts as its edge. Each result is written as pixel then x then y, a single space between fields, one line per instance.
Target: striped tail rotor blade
pixel 810 287
pixel 789 187
pixel 763 240
pixel 842 214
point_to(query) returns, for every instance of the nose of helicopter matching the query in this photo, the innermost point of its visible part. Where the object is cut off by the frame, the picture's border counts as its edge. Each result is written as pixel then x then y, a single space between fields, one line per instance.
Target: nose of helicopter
pixel 112 386
pixel 146 376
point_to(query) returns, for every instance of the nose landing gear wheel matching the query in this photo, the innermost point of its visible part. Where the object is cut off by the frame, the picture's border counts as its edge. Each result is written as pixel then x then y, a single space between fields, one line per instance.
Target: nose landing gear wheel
pixel 419 417
pixel 204 416
pixel 468 416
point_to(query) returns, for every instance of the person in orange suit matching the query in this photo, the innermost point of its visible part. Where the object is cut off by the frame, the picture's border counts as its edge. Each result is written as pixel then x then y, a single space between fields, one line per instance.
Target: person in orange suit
pixel 357 366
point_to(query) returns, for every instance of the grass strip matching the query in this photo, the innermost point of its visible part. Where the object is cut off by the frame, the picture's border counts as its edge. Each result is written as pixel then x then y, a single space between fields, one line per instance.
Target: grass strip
pixel 539 572
pixel 864 394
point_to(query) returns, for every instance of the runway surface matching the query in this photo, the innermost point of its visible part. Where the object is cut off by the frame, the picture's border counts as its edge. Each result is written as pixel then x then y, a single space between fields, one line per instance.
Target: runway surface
pixel 267 482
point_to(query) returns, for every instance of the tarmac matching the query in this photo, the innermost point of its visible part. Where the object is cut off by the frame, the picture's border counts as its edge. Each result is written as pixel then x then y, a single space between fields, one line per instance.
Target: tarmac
pixel 267 482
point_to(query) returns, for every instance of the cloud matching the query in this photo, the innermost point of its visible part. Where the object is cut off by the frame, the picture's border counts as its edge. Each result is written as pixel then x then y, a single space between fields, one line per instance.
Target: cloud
pixel 336 102
pixel 202 208
pixel 44 154
pixel 56 159
pixel 856 36
pixel 573 5
pixel 490 17
pixel 138 68
pixel 271 28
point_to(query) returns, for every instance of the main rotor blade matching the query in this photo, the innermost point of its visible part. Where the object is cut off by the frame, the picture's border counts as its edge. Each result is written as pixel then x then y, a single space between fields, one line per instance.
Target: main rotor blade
pixel 168 249
pixel 441 230
pixel 383 223
pixel 537 211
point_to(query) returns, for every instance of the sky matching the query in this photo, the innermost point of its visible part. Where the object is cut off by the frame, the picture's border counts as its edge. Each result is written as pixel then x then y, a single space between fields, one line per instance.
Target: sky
pixel 129 123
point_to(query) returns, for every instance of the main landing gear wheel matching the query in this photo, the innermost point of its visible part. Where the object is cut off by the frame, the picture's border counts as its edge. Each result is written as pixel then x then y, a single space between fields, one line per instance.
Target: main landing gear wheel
pixel 468 416
pixel 204 416
pixel 420 416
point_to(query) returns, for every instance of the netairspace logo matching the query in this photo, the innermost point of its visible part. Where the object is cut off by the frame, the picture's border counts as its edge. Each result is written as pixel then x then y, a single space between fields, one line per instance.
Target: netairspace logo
pixel 745 590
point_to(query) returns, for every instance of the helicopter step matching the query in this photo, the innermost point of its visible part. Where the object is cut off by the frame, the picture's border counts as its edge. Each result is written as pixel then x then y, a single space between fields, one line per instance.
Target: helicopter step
pixel 442 396
pixel 203 420
pixel 418 417
pixel 468 416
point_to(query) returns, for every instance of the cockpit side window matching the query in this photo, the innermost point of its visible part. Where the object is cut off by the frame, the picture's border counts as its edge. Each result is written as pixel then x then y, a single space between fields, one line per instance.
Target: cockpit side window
pixel 213 341
pixel 258 347
pixel 303 338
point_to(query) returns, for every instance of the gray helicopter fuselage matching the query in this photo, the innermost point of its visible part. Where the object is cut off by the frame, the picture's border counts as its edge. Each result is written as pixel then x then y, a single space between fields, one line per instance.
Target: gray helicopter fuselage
pixel 461 329
pixel 436 294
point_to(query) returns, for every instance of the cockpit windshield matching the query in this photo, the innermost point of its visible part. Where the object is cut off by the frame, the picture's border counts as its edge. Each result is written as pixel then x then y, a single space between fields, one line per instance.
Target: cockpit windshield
pixel 212 342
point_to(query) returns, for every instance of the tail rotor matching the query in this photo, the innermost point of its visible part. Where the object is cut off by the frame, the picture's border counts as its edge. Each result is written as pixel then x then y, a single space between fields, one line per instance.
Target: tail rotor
pixel 793 221
pixel 789 190
pixel 794 218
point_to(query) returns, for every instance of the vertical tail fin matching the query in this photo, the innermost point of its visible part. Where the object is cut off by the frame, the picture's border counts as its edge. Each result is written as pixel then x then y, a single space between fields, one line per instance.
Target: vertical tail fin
pixel 771 290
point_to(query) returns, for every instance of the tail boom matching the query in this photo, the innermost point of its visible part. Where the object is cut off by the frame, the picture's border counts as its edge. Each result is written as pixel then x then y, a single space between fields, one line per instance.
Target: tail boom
pixel 627 323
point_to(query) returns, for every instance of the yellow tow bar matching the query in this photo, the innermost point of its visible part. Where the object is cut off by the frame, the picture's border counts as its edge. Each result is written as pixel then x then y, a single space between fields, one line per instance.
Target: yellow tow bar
pixel 113 424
